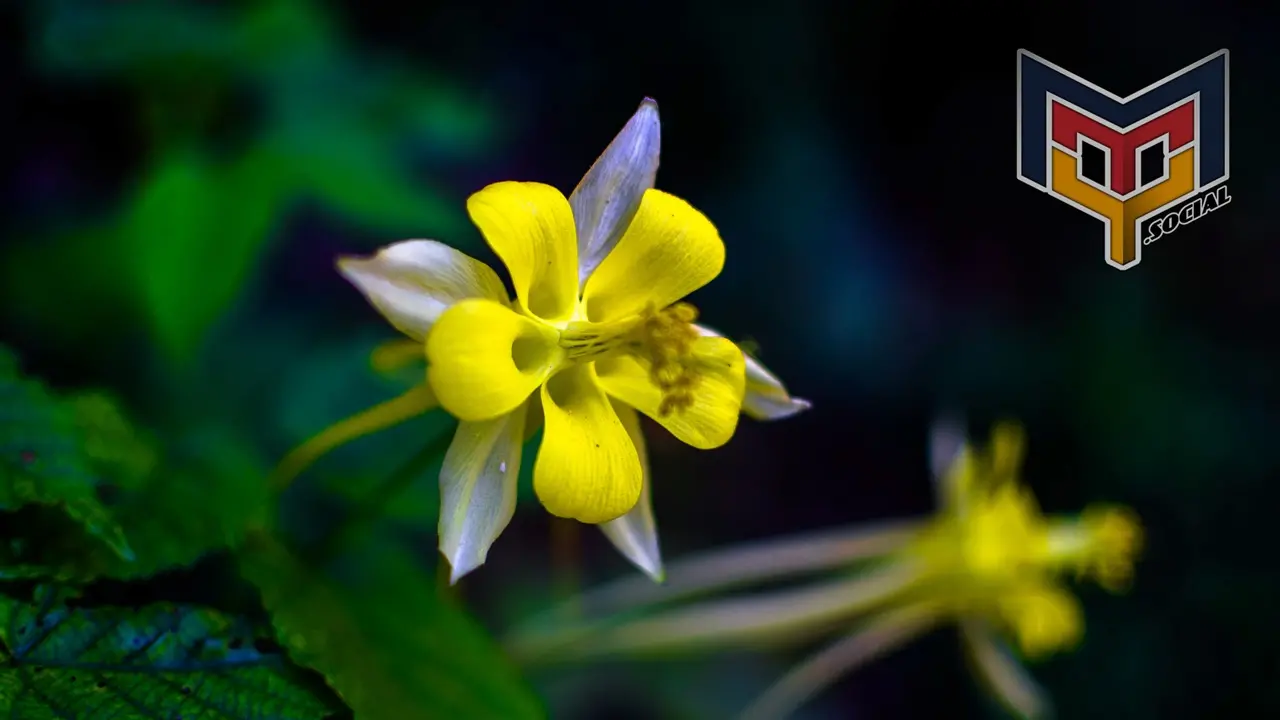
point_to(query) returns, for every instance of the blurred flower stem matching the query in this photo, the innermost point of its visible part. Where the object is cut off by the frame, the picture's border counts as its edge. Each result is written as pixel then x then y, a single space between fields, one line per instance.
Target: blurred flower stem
pixel 772 559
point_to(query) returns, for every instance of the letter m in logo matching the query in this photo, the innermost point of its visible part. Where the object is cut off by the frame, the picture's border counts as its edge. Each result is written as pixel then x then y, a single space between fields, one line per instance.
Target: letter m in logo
pixel 1123 159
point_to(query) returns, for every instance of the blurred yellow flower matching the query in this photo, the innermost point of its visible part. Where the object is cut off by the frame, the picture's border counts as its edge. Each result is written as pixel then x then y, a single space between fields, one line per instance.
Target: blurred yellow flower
pixel 993 553
pixel 989 561
pixel 597 331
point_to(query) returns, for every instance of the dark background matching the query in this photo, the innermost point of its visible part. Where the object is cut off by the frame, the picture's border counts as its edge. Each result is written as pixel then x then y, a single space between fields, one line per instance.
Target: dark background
pixel 858 159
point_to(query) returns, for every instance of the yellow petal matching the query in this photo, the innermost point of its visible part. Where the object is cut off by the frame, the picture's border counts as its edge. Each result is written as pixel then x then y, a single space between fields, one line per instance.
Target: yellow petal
pixel 766 397
pixel 635 534
pixel 484 359
pixel 530 226
pixel 713 417
pixel 587 468
pixel 412 282
pixel 1044 618
pixel 669 250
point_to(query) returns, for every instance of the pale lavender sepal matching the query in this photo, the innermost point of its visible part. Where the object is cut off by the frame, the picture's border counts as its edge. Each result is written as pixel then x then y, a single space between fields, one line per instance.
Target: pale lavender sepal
pixel 608 196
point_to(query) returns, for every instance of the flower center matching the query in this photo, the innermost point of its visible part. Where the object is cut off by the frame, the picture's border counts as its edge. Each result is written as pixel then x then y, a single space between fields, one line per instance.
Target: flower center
pixel 1004 535
pixel 662 339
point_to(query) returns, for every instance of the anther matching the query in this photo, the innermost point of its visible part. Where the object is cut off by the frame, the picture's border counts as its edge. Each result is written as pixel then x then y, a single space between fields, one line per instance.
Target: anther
pixel 668 337
pixel 1115 541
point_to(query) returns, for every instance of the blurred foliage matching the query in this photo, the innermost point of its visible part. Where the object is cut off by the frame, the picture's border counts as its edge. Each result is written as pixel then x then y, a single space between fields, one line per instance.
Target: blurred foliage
pixel 325 125
pixel 193 230
pixel 83 484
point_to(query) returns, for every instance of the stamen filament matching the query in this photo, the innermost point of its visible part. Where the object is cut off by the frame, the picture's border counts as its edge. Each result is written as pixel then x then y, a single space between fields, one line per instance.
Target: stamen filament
pixel 664 339
pixel 586 341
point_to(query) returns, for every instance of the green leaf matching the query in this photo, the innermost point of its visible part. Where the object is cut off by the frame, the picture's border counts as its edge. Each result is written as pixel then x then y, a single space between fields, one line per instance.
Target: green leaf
pixel 348 167
pixel 194 232
pixel 42 462
pixel 123 456
pixel 373 623
pixel 161 662
pixel 174 508
pixel 198 502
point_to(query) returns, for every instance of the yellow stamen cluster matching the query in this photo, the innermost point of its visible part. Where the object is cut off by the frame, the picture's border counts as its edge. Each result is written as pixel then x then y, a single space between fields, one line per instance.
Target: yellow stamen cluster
pixel 662 339
pixel 1113 541
pixel 668 337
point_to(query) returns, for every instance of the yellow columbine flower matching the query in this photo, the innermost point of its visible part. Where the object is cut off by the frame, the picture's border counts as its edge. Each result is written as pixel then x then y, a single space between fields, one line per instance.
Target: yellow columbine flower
pixel 597 331
pixel 988 561
pixel 624 336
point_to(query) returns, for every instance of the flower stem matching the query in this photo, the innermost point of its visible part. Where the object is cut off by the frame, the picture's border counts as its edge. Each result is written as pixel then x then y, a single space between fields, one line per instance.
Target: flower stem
pixel 416 401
